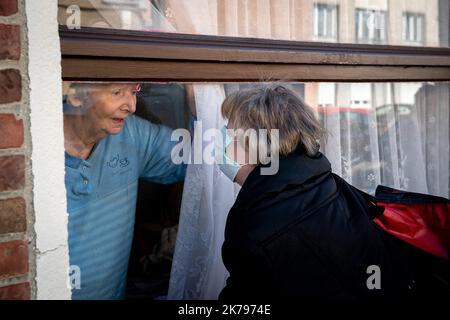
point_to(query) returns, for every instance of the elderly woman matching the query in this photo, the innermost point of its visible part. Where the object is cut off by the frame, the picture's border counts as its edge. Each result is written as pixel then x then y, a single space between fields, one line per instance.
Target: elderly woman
pixel 108 150
pixel 301 232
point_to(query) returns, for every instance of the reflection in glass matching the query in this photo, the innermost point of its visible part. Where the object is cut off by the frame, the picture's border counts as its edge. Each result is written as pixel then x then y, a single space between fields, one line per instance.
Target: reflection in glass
pixel 325 22
pixel 370 26
pixel 413 27
pixel 399 22
pixel 380 134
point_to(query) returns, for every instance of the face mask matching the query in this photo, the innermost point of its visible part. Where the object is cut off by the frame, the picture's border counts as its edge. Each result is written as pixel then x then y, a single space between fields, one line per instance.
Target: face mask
pixel 228 166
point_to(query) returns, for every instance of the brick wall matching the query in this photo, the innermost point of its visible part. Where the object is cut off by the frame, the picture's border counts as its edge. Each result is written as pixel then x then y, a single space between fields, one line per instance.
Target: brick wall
pixel 16 217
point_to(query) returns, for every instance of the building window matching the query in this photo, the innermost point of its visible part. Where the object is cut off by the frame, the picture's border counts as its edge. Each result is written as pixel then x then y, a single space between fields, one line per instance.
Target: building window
pixel 326 22
pixel 413 27
pixel 370 26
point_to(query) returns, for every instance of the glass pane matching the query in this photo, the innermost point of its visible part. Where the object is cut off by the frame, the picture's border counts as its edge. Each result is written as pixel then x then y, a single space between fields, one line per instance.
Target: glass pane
pixel 399 22
pixel 121 174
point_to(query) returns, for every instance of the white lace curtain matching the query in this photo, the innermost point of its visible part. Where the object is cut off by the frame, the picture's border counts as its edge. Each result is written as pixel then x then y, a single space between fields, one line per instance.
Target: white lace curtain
pixel 401 138
pixel 197 270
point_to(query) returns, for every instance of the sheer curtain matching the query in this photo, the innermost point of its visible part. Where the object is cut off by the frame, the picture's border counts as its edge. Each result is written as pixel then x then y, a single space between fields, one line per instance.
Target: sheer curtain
pixel 397 135
pixel 432 109
pixel 197 270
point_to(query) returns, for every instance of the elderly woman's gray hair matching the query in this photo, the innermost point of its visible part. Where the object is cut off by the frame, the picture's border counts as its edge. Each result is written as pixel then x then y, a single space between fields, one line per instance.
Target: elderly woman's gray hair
pixel 274 106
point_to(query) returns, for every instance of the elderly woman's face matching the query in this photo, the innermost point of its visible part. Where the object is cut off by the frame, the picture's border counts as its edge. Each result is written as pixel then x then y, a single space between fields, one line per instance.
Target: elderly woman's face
pixel 109 105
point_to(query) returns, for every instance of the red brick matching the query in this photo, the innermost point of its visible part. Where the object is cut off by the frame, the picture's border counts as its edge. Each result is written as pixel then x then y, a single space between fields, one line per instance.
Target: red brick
pixel 12 173
pixel 21 291
pixel 8 7
pixel 13 258
pixel 9 42
pixel 13 215
pixel 10 86
pixel 11 131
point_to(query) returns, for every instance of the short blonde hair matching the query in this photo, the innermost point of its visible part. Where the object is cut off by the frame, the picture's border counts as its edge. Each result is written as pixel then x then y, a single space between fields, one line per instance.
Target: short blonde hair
pixel 273 106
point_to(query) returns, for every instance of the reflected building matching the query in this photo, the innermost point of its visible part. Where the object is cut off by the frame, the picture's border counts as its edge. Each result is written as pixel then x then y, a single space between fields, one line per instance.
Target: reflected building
pixel 391 22
pixel 116 14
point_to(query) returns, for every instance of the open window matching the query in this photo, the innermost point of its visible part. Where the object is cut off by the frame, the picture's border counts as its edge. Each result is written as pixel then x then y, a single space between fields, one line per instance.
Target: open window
pixel 377 77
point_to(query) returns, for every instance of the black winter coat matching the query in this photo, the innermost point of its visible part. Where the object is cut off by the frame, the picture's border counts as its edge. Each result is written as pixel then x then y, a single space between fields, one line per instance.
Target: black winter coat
pixel 302 233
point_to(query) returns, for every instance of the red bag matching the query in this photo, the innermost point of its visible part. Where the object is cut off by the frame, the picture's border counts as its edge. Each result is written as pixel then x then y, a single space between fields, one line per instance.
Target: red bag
pixel 419 219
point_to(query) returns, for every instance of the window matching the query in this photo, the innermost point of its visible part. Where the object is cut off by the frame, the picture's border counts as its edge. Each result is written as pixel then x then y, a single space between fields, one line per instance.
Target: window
pixel 413 25
pixel 372 98
pixel 325 22
pixel 370 26
pixel 396 135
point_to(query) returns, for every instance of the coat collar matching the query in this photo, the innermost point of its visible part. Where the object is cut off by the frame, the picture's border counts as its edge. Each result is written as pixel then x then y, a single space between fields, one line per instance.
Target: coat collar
pixel 295 171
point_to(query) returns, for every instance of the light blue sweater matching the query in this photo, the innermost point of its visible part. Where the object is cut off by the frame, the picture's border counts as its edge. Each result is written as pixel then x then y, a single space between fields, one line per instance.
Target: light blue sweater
pixel 101 196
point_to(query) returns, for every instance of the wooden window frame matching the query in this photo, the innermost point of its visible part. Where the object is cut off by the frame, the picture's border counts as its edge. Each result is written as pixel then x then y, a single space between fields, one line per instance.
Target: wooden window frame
pixel 94 54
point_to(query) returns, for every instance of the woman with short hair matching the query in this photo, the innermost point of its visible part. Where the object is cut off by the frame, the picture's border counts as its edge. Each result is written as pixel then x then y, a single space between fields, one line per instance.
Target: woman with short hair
pixel 301 232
